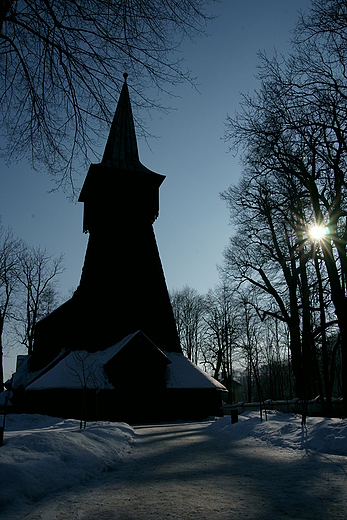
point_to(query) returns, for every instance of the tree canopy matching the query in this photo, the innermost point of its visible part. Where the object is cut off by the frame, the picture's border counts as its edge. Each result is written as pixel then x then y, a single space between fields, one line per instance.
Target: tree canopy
pixel 292 136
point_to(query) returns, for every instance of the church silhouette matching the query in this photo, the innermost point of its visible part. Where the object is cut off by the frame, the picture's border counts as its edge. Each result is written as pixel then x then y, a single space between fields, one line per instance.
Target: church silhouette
pixel 112 351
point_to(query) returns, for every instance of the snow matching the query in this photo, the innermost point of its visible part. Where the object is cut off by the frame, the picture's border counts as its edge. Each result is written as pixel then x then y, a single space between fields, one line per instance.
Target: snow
pixel 23 374
pixel 67 373
pixel 320 435
pixel 182 373
pixel 45 456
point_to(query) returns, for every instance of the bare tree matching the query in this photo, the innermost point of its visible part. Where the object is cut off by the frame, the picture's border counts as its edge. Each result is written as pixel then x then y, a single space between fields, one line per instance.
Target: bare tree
pixel 275 374
pixel 320 63
pixel 83 372
pixel 220 333
pixel 269 253
pixel 38 276
pixel 188 309
pixel 252 346
pixel 295 128
pixel 61 63
pixel 9 251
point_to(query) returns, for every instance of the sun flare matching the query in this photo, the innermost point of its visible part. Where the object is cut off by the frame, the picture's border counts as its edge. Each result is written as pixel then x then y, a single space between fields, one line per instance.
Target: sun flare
pixel 317 232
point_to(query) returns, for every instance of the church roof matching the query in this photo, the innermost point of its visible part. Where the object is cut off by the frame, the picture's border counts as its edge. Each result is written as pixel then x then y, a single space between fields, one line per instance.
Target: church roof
pixel 180 373
pixel 81 367
pixel 121 148
pixel 183 374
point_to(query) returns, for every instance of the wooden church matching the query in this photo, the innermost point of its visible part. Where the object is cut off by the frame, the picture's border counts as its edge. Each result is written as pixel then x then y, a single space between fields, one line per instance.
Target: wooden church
pixel 114 345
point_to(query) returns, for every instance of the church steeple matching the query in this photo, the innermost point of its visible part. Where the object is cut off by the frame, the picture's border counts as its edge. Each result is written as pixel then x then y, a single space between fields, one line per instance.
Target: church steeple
pixel 121 147
pixel 122 287
pixel 120 186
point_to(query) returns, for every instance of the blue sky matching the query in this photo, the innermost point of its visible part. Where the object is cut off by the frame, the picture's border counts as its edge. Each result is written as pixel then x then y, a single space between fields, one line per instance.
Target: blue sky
pixel 193 226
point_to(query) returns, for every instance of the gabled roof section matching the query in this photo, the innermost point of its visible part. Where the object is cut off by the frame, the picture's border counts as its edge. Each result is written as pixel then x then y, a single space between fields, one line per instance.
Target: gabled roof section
pixel 183 374
pixel 81 367
pixel 121 148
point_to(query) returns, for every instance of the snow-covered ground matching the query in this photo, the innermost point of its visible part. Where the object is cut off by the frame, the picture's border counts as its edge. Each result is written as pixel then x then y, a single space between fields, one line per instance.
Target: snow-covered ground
pixel 44 456
pixel 320 435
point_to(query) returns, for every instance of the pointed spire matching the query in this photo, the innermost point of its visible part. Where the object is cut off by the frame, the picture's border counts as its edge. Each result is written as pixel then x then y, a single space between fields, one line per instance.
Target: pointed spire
pixel 121 147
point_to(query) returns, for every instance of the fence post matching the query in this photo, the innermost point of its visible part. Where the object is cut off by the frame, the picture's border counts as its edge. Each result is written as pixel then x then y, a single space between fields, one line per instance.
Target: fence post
pixel 234 416
pixel 2 426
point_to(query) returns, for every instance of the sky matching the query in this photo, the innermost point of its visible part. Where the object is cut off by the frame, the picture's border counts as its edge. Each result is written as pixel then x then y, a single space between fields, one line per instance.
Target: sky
pixel 214 469
pixel 193 225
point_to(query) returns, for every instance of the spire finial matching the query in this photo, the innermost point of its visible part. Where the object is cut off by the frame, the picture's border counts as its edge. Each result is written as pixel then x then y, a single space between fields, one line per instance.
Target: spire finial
pixel 125 75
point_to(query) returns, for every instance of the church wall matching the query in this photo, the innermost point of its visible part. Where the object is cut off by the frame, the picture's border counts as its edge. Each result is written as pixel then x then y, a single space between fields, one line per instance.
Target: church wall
pixel 110 405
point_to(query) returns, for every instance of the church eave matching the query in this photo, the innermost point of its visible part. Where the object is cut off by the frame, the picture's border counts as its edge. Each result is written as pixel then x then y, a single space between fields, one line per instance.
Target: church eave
pixel 102 177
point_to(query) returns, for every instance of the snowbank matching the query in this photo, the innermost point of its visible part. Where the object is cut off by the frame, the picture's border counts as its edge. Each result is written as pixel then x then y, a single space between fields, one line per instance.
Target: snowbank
pixel 320 434
pixel 44 454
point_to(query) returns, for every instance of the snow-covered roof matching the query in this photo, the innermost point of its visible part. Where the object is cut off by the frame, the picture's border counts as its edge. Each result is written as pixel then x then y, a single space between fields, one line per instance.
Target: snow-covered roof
pixel 182 373
pixel 23 375
pixel 81 368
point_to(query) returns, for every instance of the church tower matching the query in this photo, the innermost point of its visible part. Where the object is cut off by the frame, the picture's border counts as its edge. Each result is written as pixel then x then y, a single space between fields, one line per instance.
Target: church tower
pixel 122 287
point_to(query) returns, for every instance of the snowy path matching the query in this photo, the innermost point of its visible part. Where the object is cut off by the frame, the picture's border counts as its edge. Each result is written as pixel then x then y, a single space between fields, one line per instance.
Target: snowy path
pixel 191 471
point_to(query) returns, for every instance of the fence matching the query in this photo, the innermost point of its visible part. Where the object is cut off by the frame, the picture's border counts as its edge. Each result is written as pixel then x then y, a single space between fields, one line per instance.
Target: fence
pixel 316 407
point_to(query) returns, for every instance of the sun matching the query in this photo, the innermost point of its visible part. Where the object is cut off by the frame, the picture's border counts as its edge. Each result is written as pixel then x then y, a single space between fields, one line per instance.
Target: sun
pixel 317 232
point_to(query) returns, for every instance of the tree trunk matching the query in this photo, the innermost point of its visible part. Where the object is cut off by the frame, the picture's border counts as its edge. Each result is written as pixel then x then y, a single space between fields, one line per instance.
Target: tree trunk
pixel 340 304
pixel 327 383
pixel 5 6
pixel 1 354
pixel 338 296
